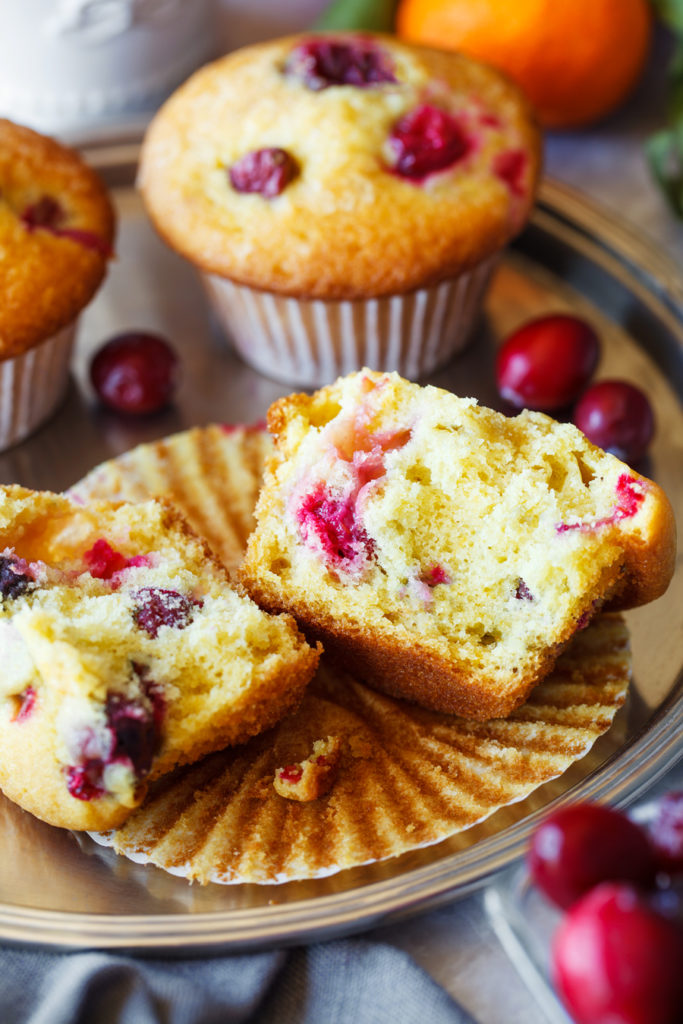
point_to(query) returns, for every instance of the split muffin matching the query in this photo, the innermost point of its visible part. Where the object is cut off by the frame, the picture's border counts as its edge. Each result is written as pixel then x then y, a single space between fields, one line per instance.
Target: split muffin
pixel 125 652
pixel 441 551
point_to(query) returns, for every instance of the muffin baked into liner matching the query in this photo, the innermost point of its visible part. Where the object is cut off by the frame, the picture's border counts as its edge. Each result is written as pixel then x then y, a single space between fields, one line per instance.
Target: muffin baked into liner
pixel 56 236
pixel 404 777
pixel 441 551
pixel 352 259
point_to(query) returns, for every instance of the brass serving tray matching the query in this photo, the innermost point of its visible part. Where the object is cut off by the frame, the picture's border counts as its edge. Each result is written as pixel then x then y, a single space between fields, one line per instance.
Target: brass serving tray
pixel 62 890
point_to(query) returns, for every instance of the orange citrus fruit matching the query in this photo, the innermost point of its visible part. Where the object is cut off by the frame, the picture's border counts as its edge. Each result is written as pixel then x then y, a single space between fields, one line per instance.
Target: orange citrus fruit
pixel 576 59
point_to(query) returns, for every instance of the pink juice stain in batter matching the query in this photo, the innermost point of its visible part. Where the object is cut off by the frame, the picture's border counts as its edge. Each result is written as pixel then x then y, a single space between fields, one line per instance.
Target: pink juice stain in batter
pixel 630 496
pixel 332 521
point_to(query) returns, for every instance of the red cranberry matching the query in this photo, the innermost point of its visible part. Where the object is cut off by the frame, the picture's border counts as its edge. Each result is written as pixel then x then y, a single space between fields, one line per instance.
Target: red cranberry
pixel 291 773
pixel 135 734
pixel 135 373
pixel 617 960
pixel 547 362
pixel 522 592
pixel 666 833
pixel 84 781
pixel 585 844
pixel 618 417
pixel 427 140
pixel 46 213
pixel 510 166
pixel 320 63
pixel 156 608
pixel 13 582
pixel 332 522
pixel 434 575
pixel 103 561
pixel 266 171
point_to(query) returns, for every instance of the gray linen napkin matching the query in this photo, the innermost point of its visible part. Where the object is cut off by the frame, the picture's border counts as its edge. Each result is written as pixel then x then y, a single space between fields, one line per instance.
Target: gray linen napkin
pixel 353 981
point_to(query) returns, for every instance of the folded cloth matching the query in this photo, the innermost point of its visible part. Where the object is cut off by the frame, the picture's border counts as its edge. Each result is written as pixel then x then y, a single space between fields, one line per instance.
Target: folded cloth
pixel 353 981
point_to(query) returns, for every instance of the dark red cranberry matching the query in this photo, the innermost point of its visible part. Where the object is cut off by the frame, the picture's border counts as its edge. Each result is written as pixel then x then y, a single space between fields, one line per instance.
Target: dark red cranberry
pixel 291 773
pixel 522 592
pixel 136 737
pixel 615 959
pixel 135 373
pixel 13 582
pixel 618 417
pixel 546 363
pixel 28 699
pixel 265 171
pixel 320 63
pixel 47 213
pixel 332 522
pixel 156 608
pixel 585 844
pixel 666 833
pixel 510 166
pixel 88 239
pixel 84 781
pixel 427 140
pixel 435 575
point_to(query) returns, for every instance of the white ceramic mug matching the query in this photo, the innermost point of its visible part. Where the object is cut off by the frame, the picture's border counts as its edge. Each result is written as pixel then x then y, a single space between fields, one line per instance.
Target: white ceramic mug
pixel 68 64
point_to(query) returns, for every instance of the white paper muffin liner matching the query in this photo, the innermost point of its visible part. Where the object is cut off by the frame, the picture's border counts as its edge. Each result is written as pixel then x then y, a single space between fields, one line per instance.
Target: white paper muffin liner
pixel 32 385
pixel 312 342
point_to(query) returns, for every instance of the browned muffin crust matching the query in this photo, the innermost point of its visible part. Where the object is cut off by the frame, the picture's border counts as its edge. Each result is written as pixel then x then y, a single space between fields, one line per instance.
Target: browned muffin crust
pixel 347 226
pixel 48 273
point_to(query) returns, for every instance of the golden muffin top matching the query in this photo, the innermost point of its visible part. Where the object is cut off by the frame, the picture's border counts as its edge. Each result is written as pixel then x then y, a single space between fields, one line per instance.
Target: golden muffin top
pixel 56 233
pixel 340 165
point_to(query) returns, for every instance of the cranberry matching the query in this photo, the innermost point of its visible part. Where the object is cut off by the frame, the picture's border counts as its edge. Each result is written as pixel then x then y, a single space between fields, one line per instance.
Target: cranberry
pixel 28 699
pixel 546 363
pixel 291 773
pixel 320 63
pixel 135 732
pixel 156 608
pixel 84 781
pixel 103 561
pixel 266 171
pixel 427 140
pixel 617 960
pixel 585 844
pixel 49 214
pixel 666 833
pixel 135 373
pixel 510 166
pixel 13 582
pixel 522 592
pixel 434 575
pixel 46 213
pixel 618 417
pixel 332 522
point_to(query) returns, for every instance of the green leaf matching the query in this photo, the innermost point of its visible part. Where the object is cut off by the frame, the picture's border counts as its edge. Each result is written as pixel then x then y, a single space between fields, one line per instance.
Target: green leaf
pixel 671 12
pixel 368 15
pixel 665 153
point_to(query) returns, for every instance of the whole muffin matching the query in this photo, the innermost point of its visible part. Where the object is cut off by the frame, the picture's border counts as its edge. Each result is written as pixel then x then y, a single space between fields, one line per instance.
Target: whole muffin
pixel 56 233
pixel 346 196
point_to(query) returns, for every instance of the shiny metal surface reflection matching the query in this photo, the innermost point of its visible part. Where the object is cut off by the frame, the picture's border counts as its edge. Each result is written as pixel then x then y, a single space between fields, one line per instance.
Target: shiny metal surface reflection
pixel 59 889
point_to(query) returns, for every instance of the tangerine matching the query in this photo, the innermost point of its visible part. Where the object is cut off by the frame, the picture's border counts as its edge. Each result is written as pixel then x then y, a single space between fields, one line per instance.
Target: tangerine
pixel 576 59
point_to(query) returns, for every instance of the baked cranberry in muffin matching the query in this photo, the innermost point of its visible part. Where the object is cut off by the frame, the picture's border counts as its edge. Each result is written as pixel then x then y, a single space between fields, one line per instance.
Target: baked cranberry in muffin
pixel 125 651
pixel 56 236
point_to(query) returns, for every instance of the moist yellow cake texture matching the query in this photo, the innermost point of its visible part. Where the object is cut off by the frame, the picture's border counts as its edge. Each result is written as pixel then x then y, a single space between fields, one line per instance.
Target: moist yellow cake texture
pixel 125 651
pixel 441 551
pixel 358 212
pixel 396 776
pixel 56 233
